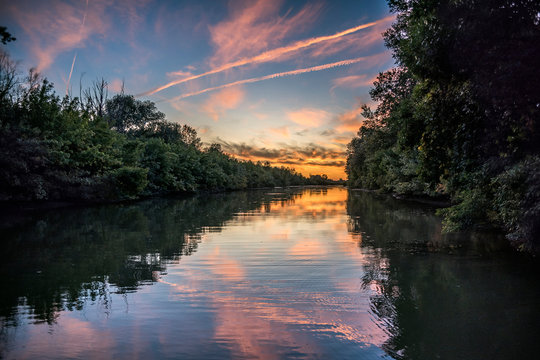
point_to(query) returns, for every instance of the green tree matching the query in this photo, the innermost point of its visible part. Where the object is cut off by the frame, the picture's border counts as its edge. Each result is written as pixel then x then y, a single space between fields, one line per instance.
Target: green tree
pixel 128 115
pixel 460 110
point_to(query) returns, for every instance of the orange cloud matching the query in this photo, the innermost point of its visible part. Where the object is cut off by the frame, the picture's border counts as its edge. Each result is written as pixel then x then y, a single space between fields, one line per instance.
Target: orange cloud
pixel 227 99
pixel 308 117
pixel 282 130
pixel 260 116
pixel 203 130
pixel 342 140
pixel 350 121
pixel 307 159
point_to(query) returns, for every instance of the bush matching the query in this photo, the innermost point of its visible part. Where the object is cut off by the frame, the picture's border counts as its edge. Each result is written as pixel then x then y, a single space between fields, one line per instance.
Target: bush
pixel 128 181
pixel 517 202
pixel 472 208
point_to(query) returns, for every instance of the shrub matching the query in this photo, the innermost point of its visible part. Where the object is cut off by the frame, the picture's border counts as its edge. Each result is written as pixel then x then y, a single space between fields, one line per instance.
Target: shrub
pixel 128 181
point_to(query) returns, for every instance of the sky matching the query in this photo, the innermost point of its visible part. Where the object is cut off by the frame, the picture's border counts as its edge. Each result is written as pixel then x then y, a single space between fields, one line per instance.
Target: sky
pixel 269 80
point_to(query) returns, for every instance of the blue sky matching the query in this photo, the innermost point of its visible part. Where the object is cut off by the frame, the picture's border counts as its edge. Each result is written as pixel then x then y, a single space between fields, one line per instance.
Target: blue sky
pixel 253 98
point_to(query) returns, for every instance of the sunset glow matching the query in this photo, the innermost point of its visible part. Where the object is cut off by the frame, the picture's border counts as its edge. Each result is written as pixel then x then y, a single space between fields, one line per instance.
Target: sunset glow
pixel 277 81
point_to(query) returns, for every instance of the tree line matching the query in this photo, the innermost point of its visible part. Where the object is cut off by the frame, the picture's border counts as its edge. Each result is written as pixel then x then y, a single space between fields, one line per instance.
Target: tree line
pixel 458 116
pixel 100 148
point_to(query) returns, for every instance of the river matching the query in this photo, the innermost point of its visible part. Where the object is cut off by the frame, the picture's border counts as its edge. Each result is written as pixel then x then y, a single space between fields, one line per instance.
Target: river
pixel 264 274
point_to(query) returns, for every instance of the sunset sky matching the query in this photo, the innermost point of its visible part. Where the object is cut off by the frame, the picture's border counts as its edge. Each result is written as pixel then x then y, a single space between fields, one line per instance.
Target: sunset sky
pixel 269 80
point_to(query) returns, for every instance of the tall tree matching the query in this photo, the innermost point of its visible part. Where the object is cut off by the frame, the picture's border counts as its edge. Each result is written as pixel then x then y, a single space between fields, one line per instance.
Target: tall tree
pixel 128 115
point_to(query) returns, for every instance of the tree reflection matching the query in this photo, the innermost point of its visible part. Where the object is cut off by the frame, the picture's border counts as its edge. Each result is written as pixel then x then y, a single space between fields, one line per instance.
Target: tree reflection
pixel 62 259
pixel 443 297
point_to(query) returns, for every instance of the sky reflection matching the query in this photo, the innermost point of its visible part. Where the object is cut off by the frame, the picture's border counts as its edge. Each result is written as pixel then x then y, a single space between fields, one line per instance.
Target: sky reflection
pixel 273 290
pixel 287 273
pixel 280 281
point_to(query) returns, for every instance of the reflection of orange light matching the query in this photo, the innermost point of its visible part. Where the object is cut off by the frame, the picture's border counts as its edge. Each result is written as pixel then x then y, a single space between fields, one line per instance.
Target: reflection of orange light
pixel 283 235
pixel 261 324
pixel 254 316
pixel 307 248
pixel 319 203
pixel 225 267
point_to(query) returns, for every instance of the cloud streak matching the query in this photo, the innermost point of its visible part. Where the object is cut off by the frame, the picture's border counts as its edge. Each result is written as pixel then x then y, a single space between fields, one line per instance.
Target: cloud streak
pixel 271 76
pixel 75 56
pixel 352 82
pixel 256 26
pixel 51 27
pixel 267 55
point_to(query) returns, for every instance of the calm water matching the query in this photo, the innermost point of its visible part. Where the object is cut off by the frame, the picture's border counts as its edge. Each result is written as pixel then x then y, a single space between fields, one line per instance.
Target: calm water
pixel 286 273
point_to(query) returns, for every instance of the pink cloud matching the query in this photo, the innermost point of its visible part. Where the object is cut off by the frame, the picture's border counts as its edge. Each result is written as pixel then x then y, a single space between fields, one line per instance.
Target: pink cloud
pixel 116 85
pixel 203 130
pixel 282 130
pixel 308 117
pixel 256 27
pixel 355 42
pixel 352 81
pixel 54 27
pixel 227 99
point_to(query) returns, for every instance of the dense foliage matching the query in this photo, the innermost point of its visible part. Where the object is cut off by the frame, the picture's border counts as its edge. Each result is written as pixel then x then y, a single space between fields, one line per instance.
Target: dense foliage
pixel 100 148
pixel 458 117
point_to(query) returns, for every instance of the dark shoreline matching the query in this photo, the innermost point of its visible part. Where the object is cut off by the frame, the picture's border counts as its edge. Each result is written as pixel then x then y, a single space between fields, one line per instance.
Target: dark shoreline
pixel 13 212
pixel 438 202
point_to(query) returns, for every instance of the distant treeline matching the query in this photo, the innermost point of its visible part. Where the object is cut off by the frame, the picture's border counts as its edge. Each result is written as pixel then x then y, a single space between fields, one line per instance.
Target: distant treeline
pixel 97 148
pixel 459 116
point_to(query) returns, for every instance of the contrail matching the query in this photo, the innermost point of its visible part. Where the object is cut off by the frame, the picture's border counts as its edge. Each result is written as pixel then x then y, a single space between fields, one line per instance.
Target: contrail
pixel 271 76
pixel 75 56
pixel 268 55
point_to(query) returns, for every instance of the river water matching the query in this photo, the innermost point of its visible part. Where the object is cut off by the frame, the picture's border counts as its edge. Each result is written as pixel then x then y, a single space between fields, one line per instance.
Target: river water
pixel 283 273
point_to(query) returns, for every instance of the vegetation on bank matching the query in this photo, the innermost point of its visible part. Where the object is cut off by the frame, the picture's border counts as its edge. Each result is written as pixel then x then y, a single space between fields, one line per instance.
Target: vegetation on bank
pixel 458 116
pixel 97 148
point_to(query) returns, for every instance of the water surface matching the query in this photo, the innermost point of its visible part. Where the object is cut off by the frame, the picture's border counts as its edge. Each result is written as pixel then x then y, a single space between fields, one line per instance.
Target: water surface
pixel 286 273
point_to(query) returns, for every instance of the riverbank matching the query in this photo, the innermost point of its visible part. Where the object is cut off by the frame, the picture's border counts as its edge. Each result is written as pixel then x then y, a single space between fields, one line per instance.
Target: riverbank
pixel 439 202
pixel 442 204
pixel 17 212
